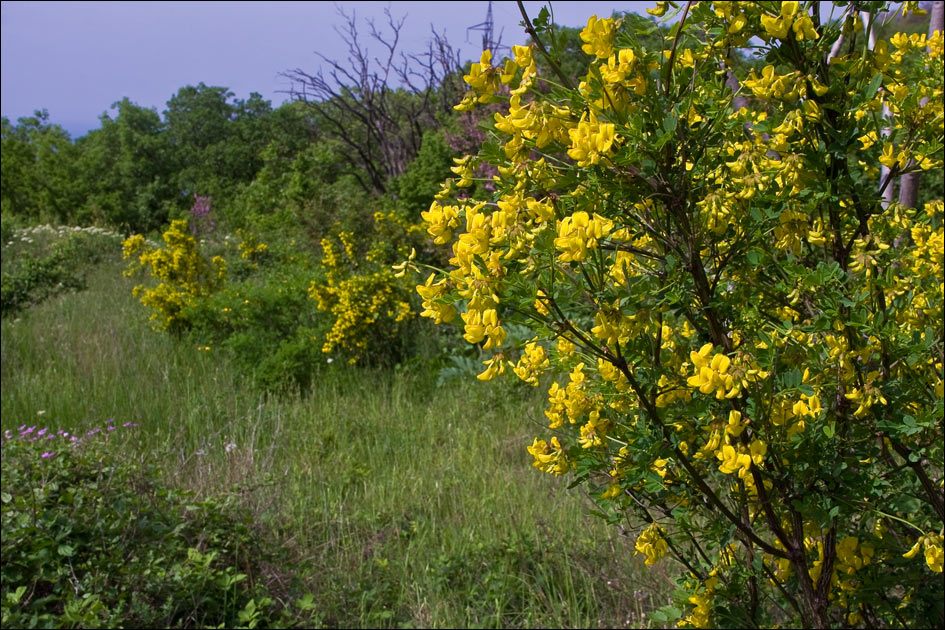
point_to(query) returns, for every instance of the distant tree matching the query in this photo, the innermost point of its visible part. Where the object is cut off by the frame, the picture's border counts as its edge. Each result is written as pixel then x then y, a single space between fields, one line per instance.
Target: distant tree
pixel 125 166
pixel 216 142
pixel 38 169
pixel 380 107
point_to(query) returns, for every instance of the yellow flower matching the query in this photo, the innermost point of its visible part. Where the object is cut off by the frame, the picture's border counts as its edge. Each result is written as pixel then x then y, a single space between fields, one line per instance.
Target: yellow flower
pixel 733 461
pixel 591 140
pixel 735 425
pixel 651 543
pixel 593 433
pixel 438 311
pixel 532 363
pixel 804 28
pixel 659 10
pixel 713 375
pixel 483 325
pixel 599 35
pixel 934 554
pixel 494 367
pixel 578 233
pixel 776 27
pixel 758 450
pixel 523 56
pixel 612 491
pixel 549 458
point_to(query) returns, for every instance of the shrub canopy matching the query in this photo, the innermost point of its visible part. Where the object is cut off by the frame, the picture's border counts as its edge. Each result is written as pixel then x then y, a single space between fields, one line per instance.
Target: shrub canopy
pixel 751 335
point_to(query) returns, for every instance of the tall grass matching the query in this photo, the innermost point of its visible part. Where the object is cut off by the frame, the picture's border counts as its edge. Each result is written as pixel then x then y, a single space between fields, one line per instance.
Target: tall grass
pixel 405 504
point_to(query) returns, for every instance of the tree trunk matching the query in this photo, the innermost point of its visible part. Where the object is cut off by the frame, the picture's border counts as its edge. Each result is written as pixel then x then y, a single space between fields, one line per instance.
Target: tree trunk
pixel 909 184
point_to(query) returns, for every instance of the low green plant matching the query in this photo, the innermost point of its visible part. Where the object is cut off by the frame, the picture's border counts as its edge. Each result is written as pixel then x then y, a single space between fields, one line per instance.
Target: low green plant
pixel 372 463
pixel 91 539
pixel 42 261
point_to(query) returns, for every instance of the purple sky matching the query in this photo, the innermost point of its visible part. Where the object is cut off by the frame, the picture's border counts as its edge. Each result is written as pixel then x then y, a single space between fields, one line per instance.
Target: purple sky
pixel 77 58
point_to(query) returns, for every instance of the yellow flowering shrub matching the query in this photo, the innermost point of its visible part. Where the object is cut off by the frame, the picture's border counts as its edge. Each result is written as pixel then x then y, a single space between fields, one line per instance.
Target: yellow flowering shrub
pixel 251 249
pixel 745 342
pixel 184 275
pixel 369 305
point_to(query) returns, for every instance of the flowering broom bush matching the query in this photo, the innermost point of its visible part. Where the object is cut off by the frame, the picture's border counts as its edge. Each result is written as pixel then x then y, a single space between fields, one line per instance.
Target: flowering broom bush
pixel 184 273
pixel 752 341
pixel 365 300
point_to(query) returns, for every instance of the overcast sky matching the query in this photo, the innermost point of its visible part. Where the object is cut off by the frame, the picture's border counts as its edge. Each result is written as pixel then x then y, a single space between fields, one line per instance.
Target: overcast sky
pixel 77 58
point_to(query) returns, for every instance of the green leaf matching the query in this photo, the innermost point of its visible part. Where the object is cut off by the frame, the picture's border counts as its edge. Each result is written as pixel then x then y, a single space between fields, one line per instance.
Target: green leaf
pixel 873 87
pixel 657 615
pixel 669 123
pixel 66 551
pixel 17 595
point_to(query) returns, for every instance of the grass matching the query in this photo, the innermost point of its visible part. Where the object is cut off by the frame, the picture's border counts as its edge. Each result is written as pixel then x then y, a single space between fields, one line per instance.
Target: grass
pixel 402 503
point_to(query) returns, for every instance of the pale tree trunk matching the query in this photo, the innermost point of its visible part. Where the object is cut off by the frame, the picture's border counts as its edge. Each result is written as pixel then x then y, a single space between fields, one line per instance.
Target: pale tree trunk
pixel 909 184
pixel 889 192
pixel 838 45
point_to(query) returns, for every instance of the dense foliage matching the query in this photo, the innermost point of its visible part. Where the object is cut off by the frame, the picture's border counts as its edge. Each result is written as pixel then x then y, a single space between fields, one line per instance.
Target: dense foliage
pixel 91 539
pixel 42 261
pixel 750 333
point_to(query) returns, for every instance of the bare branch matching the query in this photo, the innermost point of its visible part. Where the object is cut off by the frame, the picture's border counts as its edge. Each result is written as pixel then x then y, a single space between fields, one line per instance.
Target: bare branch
pixel 379 106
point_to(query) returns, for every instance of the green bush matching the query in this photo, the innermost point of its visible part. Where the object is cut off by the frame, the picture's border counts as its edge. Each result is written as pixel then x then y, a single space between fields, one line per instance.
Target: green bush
pixel 91 539
pixel 43 261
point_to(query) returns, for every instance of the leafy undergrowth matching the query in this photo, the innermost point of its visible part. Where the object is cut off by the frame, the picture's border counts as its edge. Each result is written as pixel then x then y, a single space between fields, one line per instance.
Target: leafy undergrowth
pixel 42 261
pixel 94 540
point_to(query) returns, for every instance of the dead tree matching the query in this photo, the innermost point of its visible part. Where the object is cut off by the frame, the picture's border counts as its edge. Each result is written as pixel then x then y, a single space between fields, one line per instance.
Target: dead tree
pixel 380 107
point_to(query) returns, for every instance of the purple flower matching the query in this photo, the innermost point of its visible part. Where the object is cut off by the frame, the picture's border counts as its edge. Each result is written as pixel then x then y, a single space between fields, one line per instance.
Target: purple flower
pixel 200 212
pixel 47 454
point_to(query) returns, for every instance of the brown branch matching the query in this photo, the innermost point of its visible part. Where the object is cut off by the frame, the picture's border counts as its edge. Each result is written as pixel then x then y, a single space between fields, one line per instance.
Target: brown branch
pixel 672 54
pixel 530 30
pixel 935 496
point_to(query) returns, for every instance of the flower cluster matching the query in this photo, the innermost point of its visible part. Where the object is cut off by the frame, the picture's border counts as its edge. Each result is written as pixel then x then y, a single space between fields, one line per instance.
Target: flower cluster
pixel 52 441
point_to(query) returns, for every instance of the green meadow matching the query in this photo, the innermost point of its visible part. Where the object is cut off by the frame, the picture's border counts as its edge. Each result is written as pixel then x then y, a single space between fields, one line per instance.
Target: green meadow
pixel 400 503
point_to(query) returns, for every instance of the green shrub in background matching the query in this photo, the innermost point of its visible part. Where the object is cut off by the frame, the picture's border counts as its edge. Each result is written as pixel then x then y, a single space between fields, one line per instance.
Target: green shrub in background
pixel 282 307
pixel 91 539
pixel 42 261
pixel 267 321
pixel 184 273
